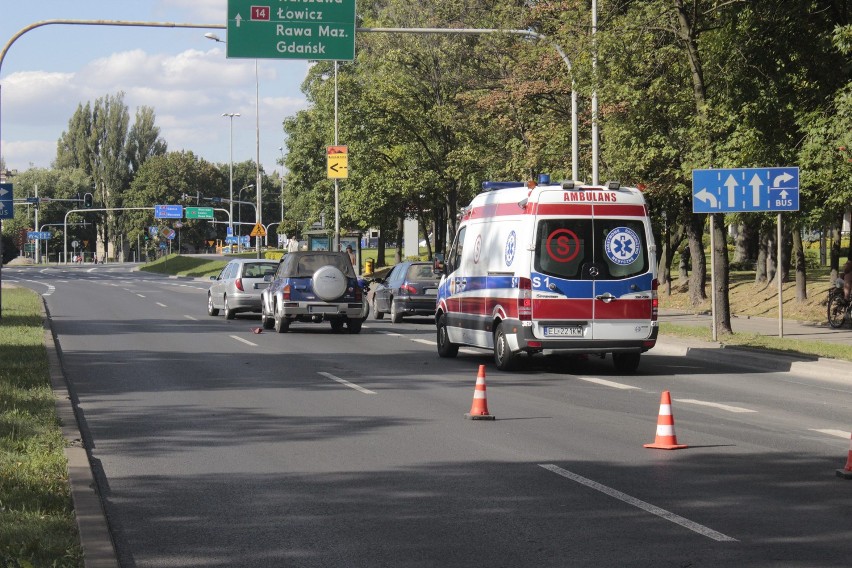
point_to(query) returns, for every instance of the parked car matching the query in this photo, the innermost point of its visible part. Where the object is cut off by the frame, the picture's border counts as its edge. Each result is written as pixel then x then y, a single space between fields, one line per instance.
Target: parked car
pixel 238 287
pixel 409 289
pixel 314 286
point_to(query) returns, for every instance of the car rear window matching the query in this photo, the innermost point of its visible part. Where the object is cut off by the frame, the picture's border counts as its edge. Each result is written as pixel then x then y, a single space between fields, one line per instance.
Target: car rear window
pixel 417 272
pixel 303 265
pixel 258 269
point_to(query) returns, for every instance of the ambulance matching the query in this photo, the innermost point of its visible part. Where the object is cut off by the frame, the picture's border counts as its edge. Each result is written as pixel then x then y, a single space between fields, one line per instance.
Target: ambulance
pixel 550 268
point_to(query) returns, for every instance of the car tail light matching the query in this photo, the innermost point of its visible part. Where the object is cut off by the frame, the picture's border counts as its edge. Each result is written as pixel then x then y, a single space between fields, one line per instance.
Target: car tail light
pixel 408 288
pixel 359 293
pixel 655 301
pixel 524 299
pixel 239 284
pixel 285 292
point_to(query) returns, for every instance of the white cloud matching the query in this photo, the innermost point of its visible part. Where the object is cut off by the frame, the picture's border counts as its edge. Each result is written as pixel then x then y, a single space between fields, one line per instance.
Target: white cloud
pixel 188 91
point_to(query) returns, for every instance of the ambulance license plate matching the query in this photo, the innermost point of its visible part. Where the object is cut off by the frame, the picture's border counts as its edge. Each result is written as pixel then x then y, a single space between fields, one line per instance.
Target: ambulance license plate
pixel 564 331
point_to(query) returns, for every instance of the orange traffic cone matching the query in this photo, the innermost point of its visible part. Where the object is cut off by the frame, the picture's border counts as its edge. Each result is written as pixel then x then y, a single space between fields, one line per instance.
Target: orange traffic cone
pixel 846 472
pixel 479 408
pixel 666 439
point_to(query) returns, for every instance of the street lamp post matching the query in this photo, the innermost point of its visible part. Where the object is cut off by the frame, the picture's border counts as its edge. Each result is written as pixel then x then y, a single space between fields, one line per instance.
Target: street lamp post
pixel 281 149
pixel 231 116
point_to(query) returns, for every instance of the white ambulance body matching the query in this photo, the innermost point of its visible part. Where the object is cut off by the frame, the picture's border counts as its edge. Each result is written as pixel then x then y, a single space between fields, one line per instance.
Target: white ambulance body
pixel 551 268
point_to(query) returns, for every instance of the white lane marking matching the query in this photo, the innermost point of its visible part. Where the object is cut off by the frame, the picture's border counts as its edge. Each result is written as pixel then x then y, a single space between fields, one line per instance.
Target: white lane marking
pixel 344 382
pixel 190 318
pixel 426 341
pixel 140 295
pixel 162 305
pixel 653 509
pixel 838 433
pixel 50 287
pixel 392 334
pixel 246 341
pixel 606 383
pixel 715 405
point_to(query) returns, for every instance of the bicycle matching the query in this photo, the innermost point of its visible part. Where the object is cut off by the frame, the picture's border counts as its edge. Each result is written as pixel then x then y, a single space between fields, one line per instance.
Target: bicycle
pixel 839 308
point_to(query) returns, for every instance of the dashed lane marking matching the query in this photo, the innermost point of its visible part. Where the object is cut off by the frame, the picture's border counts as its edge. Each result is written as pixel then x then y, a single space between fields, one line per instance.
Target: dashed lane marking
pixel 162 305
pixel 720 406
pixel 838 433
pixel 346 383
pixel 190 317
pixel 606 383
pixel 140 295
pixel 246 341
pixel 653 509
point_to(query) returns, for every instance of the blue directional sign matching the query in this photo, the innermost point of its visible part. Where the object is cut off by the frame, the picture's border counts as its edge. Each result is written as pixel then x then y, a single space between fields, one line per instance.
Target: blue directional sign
pixel 38 235
pixel 745 189
pixel 168 211
pixel 7 209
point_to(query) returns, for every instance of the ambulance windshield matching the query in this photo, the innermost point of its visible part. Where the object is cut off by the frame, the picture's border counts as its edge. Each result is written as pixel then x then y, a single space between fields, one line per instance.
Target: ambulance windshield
pixel 591 248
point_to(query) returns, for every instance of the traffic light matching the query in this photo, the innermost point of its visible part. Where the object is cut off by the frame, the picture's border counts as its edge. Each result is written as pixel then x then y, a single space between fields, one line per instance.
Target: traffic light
pixel 87 201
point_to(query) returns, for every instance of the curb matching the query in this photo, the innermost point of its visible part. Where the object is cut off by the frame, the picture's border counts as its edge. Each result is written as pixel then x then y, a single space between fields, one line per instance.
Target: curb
pixel 95 537
pixel 832 370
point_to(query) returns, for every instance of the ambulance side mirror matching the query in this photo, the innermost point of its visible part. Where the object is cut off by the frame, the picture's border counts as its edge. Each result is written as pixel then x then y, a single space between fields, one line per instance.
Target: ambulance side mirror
pixel 438 264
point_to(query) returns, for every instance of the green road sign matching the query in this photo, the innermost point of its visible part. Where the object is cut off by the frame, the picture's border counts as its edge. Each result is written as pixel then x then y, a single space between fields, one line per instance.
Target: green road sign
pixel 293 29
pixel 199 212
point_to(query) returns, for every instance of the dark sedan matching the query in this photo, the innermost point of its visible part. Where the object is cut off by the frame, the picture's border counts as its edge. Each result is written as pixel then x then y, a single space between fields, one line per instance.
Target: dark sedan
pixel 409 289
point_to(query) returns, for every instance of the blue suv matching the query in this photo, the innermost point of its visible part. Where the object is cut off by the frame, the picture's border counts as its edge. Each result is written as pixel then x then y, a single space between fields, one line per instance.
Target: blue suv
pixel 314 287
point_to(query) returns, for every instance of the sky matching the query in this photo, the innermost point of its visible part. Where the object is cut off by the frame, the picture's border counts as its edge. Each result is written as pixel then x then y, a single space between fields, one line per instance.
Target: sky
pixel 185 77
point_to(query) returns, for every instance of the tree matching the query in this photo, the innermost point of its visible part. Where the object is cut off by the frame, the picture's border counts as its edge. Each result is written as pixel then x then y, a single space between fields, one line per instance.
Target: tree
pixel 166 179
pixel 143 140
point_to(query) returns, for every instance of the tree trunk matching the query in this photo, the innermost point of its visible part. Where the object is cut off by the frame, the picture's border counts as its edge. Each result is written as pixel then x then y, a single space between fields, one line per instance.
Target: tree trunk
pixel 801 267
pixel 380 249
pixel 721 275
pixel 683 269
pixel 771 257
pixel 835 248
pixel 760 274
pixel 698 278
pixel 400 233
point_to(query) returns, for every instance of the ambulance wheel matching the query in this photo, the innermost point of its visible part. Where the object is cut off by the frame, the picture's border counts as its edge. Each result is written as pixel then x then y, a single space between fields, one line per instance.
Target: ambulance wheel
pixel 445 347
pixel 503 356
pixel 626 362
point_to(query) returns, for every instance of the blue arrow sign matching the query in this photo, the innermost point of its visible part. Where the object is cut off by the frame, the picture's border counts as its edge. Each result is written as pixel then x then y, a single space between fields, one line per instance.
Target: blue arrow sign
pixel 168 211
pixel 7 208
pixel 38 235
pixel 745 189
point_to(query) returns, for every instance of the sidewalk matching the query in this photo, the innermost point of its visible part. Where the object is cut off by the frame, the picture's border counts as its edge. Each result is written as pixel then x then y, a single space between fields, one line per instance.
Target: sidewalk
pixel 834 370
pixel 764 326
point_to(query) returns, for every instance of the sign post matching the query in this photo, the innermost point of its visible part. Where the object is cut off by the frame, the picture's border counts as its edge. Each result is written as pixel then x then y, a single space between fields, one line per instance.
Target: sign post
pixel 298 29
pixel 745 190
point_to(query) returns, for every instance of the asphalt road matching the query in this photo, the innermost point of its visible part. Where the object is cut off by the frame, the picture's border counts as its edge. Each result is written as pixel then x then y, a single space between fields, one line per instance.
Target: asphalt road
pixel 216 446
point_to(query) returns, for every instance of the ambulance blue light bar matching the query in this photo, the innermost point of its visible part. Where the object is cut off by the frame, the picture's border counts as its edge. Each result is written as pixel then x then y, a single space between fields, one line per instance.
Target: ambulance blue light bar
pixel 543 179
pixel 495 185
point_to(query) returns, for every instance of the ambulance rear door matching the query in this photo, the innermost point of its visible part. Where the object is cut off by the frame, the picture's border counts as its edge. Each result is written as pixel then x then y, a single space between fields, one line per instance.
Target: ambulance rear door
pixel 591 275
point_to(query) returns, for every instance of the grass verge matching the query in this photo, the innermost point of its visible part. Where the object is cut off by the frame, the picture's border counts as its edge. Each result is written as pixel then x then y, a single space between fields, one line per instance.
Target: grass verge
pixel 37 524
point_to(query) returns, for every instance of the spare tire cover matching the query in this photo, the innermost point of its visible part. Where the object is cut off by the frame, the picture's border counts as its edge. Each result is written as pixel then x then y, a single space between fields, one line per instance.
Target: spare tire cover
pixel 329 283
